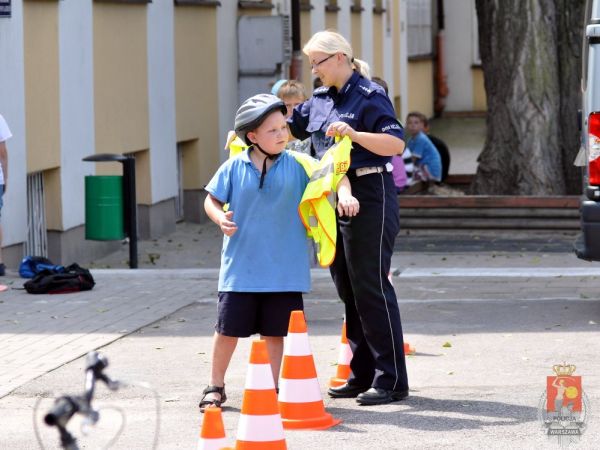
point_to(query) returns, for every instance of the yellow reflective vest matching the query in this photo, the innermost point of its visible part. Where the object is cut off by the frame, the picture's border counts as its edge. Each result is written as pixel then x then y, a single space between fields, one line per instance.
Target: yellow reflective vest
pixel 317 207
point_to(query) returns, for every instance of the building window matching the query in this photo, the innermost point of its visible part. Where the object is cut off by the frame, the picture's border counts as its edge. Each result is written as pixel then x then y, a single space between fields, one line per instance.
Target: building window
pixel 475 37
pixel 419 28
pixel 5 8
pixel 37 236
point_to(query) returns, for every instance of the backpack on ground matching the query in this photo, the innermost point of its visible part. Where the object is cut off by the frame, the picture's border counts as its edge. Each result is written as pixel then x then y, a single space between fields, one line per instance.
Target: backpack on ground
pixel 32 265
pixel 72 278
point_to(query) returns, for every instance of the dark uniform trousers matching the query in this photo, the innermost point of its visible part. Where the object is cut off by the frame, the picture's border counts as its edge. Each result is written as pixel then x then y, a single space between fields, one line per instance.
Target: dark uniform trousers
pixel 360 271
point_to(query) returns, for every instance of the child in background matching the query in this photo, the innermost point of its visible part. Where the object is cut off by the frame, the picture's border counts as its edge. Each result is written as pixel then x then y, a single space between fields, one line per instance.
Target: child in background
pixel 264 262
pixel 403 166
pixel 399 173
pixel 441 147
pixel 426 157
pixel 292 93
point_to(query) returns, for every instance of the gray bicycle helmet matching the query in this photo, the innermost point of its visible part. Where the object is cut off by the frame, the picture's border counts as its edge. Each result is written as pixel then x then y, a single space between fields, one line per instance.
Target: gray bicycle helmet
pixel 254 111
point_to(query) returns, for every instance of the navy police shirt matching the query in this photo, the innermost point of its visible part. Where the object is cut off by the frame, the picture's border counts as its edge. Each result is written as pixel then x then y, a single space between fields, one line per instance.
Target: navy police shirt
pixel 361 103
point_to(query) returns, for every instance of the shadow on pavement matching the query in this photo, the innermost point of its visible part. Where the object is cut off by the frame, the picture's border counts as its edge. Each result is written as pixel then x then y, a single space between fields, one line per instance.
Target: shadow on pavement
pixel 486 414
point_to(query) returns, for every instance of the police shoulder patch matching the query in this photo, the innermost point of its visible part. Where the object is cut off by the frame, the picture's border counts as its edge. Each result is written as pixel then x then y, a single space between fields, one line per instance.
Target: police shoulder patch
pixel 366 89
pixel 321 90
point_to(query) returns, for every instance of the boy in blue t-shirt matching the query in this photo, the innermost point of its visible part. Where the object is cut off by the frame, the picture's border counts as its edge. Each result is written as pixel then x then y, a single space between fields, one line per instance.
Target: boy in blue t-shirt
pixel 427 158
pixel 264 262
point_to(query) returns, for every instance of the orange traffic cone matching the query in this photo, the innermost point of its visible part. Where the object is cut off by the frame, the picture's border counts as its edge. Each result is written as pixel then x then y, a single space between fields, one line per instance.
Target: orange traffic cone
pixel 260 425
pixel 212 433
pixel 300 401
pixel 343 363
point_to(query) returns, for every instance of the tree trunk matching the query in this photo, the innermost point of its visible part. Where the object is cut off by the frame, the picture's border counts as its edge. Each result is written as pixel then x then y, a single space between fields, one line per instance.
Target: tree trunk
pixel 570 23
pixel 530 69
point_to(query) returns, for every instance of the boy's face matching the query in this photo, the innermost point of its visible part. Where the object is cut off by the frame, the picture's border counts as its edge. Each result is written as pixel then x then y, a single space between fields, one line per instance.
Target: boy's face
pixel 414 125
pixel 272 134
pixel 291 103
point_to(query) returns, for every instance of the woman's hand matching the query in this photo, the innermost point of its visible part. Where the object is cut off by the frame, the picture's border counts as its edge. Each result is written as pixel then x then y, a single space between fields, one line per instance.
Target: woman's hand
pixel 347 205
pixel 341 129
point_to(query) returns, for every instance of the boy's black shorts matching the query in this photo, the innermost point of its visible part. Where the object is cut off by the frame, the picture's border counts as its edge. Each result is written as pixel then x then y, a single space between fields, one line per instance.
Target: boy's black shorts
pixel 242 314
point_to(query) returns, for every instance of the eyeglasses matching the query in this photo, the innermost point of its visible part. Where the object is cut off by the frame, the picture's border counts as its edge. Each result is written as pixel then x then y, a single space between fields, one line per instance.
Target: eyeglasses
pixel 317 64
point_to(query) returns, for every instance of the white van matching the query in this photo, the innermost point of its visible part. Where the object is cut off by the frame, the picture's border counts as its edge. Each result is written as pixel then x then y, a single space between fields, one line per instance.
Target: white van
pixel 588 245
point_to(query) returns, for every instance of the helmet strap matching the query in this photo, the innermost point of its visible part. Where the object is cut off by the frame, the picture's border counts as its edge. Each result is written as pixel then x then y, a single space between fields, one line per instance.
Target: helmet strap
pixel 264 167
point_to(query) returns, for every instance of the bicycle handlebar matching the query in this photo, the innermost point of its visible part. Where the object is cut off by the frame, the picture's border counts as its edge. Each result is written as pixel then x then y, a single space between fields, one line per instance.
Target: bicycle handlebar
pixel 66 407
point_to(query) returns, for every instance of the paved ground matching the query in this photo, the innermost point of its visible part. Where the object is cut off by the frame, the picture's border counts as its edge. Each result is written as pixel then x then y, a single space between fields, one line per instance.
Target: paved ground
pixel 489 317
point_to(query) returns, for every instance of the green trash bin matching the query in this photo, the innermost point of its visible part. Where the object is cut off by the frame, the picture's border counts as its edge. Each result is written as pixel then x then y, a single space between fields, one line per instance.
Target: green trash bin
pixel 104 207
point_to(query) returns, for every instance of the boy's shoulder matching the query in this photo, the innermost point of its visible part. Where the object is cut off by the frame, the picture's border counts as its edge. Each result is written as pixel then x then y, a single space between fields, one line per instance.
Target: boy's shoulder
pixel 238 159
pixel 420 139
pixel 233 166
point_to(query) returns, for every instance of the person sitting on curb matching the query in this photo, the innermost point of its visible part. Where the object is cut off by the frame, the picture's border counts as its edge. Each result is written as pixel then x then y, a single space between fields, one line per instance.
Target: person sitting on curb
pixel 441 147
pixel 426 157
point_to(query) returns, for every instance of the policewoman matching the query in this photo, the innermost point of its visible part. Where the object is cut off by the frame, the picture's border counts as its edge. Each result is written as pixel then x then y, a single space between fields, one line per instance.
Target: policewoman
pixel 349 104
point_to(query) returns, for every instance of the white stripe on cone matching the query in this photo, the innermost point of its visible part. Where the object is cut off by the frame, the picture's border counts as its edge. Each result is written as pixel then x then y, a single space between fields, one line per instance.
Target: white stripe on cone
pixel 299 391
pixel 260 376
pixel 260 428
pixel 296 344
pixel 345 354
pixel 212 444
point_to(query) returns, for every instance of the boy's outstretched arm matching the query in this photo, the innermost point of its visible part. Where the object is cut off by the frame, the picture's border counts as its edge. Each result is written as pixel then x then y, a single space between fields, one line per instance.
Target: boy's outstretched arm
pixel 214 210
pixel 347 204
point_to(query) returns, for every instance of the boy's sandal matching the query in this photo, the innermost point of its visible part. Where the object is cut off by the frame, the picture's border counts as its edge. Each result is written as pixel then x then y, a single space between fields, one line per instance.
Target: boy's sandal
pixel 204 403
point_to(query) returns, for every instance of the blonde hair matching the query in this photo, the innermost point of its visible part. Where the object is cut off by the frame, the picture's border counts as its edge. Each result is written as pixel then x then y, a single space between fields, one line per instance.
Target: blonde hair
pixel 332 42
pixel 292 88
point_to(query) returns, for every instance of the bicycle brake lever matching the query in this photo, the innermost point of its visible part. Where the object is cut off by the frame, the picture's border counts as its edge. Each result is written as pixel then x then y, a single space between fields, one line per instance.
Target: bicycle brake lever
pixel 113 385
pixel 91 418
